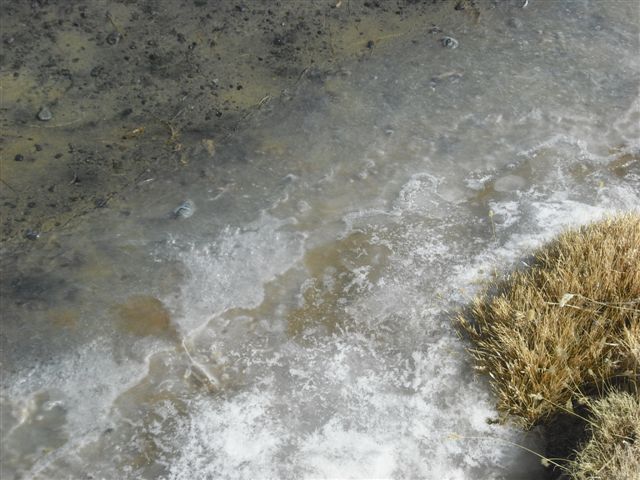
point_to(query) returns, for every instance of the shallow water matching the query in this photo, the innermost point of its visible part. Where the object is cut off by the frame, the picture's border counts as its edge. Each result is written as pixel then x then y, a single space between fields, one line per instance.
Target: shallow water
pixel 297 324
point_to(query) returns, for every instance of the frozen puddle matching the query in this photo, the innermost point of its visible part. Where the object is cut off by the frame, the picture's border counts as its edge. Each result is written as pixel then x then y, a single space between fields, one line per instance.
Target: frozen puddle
pixel 298 324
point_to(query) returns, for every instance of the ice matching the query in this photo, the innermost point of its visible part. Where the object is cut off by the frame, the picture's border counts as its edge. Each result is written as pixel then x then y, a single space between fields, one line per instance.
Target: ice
pixel 235 267
pixel 312 297
pixel 237 440
pixel 509 183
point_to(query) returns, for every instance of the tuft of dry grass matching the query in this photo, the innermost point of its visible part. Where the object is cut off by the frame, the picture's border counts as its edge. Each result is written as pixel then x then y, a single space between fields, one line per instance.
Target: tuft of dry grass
pixel 613 451
pixel 569 322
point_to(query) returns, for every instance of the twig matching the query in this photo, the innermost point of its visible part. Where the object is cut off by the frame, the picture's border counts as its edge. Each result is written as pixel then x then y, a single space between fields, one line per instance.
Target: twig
pixel 455 436
pixel 14 190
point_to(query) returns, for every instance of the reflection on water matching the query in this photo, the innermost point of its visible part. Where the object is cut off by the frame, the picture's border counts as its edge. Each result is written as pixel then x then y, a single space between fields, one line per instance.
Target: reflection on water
pixel 296 325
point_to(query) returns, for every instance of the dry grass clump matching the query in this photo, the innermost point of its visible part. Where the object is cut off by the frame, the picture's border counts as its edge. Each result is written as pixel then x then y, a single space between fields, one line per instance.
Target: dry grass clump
pixel 569 321
pixel 613 452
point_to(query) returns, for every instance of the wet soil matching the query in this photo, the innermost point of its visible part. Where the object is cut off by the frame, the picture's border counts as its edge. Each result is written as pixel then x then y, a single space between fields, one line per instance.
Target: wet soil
pixel 101 97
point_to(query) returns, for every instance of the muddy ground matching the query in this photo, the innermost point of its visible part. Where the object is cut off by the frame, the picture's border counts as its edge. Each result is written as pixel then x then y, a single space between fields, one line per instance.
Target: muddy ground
pixel 100 97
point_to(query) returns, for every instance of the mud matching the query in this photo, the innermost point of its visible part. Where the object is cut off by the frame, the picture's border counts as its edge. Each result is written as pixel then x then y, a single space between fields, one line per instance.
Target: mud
pixel 126 87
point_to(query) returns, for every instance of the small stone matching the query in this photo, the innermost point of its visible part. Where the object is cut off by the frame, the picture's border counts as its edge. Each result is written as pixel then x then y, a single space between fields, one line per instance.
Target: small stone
pixel 449 42
pixel 45 114
pixel 31 234
pixel 184 210
pixel 113 38
pixel 19 157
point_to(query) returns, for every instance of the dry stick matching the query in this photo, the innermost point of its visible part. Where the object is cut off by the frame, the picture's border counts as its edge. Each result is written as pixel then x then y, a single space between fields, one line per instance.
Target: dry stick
pixel 14 190
pixel 455 436
pixel 493 226
pixel 604 304
pixel 59 125
pixel 615 305
pixel 115 25
pixel 213 384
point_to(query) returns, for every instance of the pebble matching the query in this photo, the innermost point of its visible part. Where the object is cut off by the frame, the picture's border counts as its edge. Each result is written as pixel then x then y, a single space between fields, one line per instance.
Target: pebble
pixel 45 114
pixel 449 42
pixel 113 38
pixel 184 210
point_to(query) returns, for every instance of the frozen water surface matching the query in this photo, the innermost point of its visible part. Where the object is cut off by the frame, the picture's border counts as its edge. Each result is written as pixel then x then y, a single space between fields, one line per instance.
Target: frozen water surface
pixel 297 324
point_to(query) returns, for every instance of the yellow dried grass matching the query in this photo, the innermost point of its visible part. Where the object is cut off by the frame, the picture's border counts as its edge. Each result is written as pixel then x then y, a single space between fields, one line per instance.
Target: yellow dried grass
pixel 613 451
pixel 570 321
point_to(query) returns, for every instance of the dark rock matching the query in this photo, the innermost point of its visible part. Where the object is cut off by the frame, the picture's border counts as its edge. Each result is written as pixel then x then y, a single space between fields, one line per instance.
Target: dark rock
pixel 31 234
pixel 19 157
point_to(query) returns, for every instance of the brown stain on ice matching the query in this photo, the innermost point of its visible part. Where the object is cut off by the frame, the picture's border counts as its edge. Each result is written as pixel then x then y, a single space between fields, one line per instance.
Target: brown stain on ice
pixel 144 315
pixel 340 272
